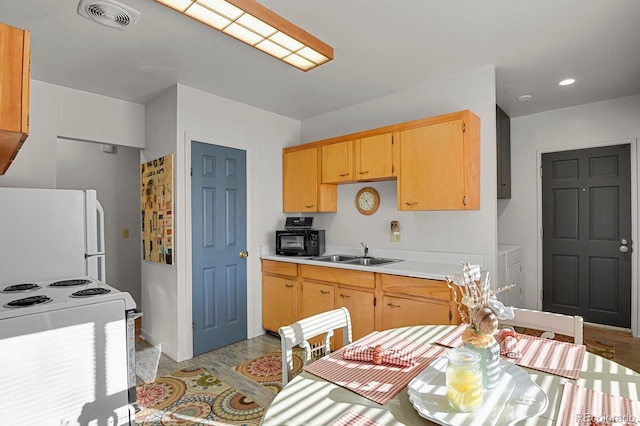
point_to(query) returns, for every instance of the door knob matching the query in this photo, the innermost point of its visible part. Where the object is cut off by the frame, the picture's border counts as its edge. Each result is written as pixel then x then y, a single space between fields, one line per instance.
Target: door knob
pixel 244 254
pixel 624 247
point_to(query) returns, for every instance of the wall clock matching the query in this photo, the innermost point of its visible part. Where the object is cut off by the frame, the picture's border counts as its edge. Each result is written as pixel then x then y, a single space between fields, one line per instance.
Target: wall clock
pixel 367 200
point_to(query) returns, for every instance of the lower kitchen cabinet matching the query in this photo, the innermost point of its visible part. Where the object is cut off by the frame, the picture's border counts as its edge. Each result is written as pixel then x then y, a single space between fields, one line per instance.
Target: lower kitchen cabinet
pixel 361 308
pixel 316 298
pixel 375 301
pixel 279 294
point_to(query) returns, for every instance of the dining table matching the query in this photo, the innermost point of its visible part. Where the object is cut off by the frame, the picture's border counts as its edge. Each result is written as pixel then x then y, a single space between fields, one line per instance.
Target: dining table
pixel 309 400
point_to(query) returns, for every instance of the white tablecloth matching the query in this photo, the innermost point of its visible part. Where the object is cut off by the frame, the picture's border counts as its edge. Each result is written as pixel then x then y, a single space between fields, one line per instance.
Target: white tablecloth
pixel 308 400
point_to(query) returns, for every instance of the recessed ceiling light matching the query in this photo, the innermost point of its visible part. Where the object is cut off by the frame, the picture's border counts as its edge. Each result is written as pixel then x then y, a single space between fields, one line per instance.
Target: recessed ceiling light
pixel 567 82
pixel 524 98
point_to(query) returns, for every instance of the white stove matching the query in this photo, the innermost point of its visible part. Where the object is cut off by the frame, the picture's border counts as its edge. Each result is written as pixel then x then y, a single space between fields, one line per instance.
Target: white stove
pixel 67 353
pixel 30 297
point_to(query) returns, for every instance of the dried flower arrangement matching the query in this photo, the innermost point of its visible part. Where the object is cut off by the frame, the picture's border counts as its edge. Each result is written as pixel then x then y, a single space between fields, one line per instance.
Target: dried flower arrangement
pixel 477 302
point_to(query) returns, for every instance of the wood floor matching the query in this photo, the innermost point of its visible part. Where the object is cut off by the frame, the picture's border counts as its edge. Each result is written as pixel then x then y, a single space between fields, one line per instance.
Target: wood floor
pixel 627 347
pixel 220 362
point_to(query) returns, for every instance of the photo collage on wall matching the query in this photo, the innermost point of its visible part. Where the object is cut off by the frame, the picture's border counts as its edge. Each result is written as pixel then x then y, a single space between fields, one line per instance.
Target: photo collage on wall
pixel 156 197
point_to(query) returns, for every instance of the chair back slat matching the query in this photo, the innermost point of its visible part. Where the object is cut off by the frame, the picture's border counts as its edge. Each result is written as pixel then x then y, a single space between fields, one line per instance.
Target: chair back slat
pixel 568 325
pixel 298 334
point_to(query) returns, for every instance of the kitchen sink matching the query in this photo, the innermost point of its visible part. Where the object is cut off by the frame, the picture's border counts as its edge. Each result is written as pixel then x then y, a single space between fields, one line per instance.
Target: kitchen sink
pixel 355 260
pixel 335 258
pixel 371 261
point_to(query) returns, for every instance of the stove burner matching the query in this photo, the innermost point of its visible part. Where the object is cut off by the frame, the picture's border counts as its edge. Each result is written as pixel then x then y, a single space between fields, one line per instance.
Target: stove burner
pixel 91 292
pixel 28 301
pixel 16 288
pixel 69 283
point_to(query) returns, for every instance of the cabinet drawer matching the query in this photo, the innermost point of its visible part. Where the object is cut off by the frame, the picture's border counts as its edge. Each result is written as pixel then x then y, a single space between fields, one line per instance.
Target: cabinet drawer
pixel 280 268
pixel 401 312
pixel 339 276
pixel 422 287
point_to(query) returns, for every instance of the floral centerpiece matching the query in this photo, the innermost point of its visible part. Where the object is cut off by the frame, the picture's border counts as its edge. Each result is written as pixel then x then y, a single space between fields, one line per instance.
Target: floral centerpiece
pixel 480 310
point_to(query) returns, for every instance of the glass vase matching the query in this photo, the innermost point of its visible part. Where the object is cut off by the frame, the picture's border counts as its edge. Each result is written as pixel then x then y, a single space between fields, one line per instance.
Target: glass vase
pixel 489 362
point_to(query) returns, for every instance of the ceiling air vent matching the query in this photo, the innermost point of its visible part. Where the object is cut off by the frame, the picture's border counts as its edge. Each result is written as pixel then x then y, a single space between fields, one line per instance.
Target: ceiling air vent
pixel 109 13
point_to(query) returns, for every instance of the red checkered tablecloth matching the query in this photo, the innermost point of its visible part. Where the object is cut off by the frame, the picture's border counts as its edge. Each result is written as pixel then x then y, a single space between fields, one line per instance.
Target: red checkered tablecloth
pixel 352 418
pixel 547 355
pixel 379 383
pixel 580 405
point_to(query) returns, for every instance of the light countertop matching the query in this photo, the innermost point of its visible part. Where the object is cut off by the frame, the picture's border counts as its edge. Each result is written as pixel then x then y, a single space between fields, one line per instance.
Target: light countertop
pixel 431 265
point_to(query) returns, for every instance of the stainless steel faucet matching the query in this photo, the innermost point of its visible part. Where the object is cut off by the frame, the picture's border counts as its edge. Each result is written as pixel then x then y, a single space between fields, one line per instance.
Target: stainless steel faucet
pixel 366 249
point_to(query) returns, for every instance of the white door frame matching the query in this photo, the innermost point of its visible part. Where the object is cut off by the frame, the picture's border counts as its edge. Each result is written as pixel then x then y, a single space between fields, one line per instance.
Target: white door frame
pixel 635 292
pixel 187 310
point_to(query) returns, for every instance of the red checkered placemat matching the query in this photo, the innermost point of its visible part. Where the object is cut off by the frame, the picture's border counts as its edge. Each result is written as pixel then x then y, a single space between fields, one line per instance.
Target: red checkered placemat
pixel 550 356
pixel 580 405
pixel 377 382
pixel 352 418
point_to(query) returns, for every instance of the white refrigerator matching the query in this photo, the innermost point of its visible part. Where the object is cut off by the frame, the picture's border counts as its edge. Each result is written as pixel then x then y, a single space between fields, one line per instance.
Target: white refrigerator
pixel 50 233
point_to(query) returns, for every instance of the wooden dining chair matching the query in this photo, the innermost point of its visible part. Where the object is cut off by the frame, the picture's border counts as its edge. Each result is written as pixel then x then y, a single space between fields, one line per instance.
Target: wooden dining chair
pixel 320 325
pixel 548 322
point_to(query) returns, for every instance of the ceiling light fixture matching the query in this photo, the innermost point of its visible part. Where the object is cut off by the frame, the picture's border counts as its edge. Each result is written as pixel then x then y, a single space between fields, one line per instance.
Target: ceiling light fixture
pixel 567 82
pixel 257 26
pixel 524 98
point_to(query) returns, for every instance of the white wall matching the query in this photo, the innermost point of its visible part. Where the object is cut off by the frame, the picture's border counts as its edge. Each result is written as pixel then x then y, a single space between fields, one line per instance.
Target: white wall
pixel 444 231
pixel 212 119
pixel 159 281
pixel 588 125
pixel 59 111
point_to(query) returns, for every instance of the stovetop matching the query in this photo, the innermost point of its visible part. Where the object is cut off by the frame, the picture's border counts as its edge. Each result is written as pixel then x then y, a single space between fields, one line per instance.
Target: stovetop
pixel 31 297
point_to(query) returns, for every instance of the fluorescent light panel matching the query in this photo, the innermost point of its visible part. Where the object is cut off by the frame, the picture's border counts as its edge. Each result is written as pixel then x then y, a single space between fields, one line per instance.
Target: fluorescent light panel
pixel 257 26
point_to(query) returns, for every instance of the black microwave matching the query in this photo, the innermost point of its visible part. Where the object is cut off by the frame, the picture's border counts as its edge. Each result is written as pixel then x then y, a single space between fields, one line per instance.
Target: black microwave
pixel 300 242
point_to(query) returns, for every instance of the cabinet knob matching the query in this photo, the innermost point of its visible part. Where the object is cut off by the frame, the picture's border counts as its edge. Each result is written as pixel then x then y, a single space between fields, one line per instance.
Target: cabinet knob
pixel 344 296
pixel 364 172
pixel 344 174
pixel 324 292
pixel 309 206
pixel 411 203
pixel 289 285
pixel 391 305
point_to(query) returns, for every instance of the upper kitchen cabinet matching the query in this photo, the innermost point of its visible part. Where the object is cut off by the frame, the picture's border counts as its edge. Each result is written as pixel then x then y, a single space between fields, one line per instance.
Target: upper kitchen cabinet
pixel 374 157
pixel 439 163
pixel 337 162
pixel 367 157
pixel 301 187
pixel 15 58
pixel 503 148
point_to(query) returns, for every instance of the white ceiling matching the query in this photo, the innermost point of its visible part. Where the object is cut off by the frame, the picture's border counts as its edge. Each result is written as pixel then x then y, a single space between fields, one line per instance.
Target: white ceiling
pixel 380 47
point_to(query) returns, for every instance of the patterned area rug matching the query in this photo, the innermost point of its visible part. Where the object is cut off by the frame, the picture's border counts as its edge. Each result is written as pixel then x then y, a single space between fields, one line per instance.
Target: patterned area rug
pixel 604 349
pixel 267 369
pixel 192 396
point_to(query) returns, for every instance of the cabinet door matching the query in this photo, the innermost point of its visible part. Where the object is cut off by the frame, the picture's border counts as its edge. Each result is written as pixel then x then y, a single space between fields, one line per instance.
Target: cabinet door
pixel 300 180
pixel 279 302
pixel 361 309
pixel 316 298
pixel 514 276
pixel 432 171
pixel 14 92
pixel 401 312
pixel 337 162
pixel 503 151
pixel 374 157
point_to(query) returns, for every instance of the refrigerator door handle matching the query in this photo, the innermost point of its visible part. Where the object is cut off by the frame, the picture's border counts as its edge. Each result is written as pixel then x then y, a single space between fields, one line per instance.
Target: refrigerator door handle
pixel 88 255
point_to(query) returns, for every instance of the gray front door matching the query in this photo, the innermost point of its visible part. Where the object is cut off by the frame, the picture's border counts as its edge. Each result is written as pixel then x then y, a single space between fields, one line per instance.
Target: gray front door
pixel 219 274
pixel 586 218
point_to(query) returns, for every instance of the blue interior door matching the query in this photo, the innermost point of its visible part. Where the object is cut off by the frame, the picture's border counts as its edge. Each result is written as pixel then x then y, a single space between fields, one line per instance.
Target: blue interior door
pixel 219 279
